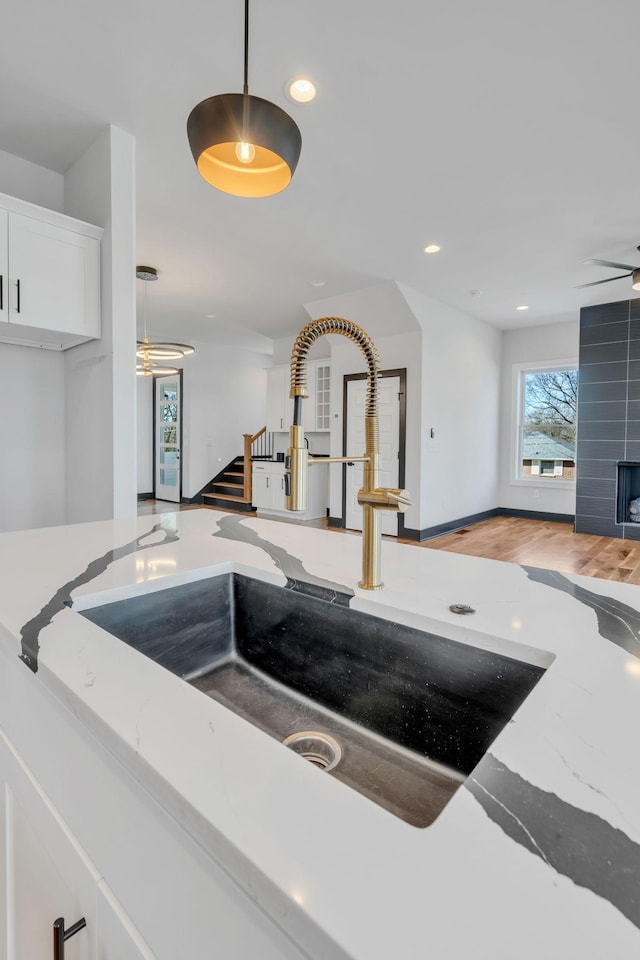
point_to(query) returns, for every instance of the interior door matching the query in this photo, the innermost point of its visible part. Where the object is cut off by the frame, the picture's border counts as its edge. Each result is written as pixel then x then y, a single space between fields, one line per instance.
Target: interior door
pixel 168 445
pixel 389 418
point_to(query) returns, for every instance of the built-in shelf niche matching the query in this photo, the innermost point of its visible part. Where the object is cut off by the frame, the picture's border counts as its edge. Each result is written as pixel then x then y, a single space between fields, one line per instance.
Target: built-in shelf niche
pixel 628 488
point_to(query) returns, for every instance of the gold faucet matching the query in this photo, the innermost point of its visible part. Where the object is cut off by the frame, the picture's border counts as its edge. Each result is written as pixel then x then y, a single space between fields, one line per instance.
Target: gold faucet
pixel 371 497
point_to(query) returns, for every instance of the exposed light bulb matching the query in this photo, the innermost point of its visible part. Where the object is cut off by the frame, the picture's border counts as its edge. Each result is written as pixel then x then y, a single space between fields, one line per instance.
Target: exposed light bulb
pixel 245 152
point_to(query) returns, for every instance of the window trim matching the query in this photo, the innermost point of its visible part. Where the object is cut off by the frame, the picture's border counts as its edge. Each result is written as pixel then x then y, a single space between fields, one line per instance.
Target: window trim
pixel 519 370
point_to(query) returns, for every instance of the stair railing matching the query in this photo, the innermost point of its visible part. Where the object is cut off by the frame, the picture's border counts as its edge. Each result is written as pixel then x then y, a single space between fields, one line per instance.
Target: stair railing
pixel 256 445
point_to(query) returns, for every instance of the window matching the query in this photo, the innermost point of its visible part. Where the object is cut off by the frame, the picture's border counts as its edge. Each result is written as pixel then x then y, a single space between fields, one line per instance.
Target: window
pixel 546 402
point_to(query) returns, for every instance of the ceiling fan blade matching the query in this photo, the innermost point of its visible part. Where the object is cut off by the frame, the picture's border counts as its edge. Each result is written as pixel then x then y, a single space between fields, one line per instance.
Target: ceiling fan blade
pixel 596 282
pixel 611 263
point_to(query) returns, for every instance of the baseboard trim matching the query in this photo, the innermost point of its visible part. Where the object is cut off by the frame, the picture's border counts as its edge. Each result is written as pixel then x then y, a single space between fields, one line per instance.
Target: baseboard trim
pixel 441 528
pixel 429 533
pixel 536 515
pixel 145 496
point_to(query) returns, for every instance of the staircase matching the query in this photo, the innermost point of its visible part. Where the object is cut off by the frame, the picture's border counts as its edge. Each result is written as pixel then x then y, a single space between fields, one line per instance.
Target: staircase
pixel 231 488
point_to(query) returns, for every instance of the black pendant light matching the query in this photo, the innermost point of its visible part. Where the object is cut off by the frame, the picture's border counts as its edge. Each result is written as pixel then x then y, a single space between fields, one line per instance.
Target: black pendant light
pixel 244 145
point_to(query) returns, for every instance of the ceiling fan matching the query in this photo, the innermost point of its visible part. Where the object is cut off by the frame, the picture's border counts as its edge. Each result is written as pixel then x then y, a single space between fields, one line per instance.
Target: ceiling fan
pixel 633 272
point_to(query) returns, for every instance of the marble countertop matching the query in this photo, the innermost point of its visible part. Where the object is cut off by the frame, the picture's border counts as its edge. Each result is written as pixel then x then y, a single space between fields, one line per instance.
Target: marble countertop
pixel 537 854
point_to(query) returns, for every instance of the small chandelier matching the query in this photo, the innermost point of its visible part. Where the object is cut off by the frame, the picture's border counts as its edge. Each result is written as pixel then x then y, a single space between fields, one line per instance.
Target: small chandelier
pixel 148 353
pixel 241 144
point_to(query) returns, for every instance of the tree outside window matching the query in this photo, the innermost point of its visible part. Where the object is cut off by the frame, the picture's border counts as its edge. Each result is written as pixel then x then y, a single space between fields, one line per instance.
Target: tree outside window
pixel 547 441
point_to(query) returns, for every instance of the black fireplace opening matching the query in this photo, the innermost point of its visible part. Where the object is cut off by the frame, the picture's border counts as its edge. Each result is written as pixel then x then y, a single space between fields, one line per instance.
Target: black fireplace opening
pixel 628 511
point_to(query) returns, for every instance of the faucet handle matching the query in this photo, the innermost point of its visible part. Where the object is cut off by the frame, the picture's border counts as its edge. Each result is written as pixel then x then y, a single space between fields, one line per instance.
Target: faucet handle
pixel 400 497
pixel 385 498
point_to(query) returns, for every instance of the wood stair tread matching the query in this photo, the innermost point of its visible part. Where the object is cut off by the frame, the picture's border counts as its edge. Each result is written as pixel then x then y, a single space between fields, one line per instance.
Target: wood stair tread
pixel 227 496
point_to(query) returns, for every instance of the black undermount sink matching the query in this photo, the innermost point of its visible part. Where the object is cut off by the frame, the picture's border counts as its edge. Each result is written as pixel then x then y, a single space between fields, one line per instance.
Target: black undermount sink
pixel 410 713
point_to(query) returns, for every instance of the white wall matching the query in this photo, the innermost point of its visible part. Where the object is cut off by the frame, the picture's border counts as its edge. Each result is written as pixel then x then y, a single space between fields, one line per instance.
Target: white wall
pixel 32 478
pixel 558 341
pixel 224 396
pixel 460 402
pixel 100 375
pixel 31 182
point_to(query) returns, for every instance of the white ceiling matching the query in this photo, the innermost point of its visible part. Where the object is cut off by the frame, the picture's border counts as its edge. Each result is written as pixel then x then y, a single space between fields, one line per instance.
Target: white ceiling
pixel 505 131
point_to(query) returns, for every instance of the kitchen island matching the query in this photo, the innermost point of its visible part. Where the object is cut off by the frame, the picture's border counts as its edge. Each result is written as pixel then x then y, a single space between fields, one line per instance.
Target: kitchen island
pixel 204 835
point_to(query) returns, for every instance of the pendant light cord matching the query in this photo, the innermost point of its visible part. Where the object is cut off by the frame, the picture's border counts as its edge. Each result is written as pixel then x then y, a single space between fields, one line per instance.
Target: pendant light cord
pixel 144 308
pixel 245 89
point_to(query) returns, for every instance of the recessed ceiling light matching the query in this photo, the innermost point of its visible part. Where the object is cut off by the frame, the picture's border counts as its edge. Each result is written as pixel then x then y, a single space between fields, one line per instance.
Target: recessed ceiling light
pixel 522 306
pixel 432 248
pixel 301 90
pixel 209 316
pixel 475 293
pixel 317 283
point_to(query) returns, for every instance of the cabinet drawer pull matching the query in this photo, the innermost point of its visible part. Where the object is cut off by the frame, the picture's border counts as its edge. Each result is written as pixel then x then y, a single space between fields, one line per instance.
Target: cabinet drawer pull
pixel 18 296
pixel 60 935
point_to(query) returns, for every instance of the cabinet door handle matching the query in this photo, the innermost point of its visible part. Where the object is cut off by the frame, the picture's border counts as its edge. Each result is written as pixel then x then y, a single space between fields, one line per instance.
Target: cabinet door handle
pixel 267 483
pixel 1 292
pixel 18 296
pixel 60 935
pixel 281 423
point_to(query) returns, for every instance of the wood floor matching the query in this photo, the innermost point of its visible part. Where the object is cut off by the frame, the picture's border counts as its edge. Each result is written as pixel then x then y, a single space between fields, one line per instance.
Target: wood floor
pixel 535 543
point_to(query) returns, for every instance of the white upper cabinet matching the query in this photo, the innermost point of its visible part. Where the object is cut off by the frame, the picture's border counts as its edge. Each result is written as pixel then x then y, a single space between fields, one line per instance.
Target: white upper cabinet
pixel 4 266
pixel 279 406
pixel 315 407
pixel 50 270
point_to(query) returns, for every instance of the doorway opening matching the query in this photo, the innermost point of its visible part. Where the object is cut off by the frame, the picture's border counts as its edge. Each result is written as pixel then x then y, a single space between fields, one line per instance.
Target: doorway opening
pixel 392 411
pixel 167 437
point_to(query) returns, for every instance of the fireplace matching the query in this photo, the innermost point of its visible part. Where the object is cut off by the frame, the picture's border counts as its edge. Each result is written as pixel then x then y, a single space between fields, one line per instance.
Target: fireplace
pixel 608 447
pixel 628 487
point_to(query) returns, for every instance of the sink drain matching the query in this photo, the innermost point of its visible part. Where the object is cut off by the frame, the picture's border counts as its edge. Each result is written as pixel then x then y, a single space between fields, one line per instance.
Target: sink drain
pixel 317 748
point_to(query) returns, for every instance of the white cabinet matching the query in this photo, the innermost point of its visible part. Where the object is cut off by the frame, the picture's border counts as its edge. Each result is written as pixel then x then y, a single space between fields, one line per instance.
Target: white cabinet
pixel 279 404
pixel 269 490
pixel 50 277
pixel 268 485
pixel 80 837
pixel 315 407
pixel 47 876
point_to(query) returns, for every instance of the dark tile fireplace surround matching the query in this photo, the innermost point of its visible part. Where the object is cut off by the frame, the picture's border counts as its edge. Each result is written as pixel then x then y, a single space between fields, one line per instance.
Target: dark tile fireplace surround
pixel 608 448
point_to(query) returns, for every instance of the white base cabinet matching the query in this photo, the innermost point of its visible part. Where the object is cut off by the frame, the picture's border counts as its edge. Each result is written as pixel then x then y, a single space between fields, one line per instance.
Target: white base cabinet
pixel 80 837
pixel 48 876
pixel 268 485
pixel 269 490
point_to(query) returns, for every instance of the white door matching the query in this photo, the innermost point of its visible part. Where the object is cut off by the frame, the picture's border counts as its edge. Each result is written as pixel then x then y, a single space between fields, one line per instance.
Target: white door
pixel 168 440
pixel 389 417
